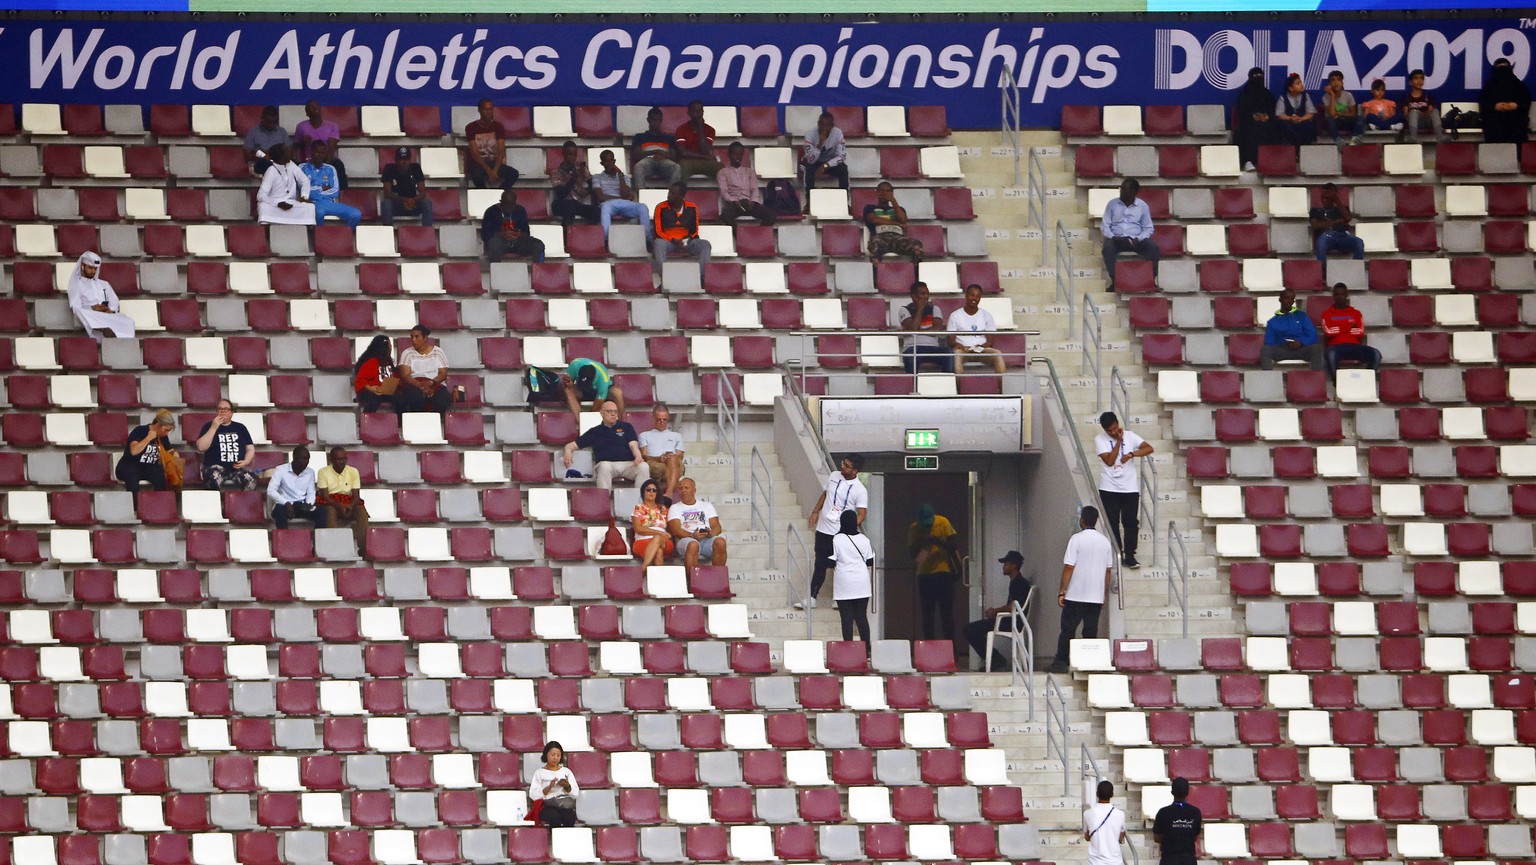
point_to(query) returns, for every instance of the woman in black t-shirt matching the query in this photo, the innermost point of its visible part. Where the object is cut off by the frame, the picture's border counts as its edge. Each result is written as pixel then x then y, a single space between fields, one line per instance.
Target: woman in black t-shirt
pixel 140 461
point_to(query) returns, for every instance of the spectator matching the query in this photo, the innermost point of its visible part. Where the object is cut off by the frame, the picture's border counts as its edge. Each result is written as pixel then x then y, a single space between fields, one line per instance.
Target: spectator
pixel 572 184
pixel 1379 111
pixel 143 451
pixel 1341 116
pixel 423 371
pixel 1330 226
pixel 1018 593
pixel 1177 827
pixel 695 526
pixel 677 231
pixel 974 320
pixel 915 318
pixel 405 190
pixel 1419 108
pixel 1127 227
pixel 662 448
pixel 504 231
pixel 852 580
pixel 932 542
pixel 94 303
pixel 1344 328
pixel 228 451
pixel 338 497
pixel 585 378
pixel 615 449
pixel 740 191
pixel 843 492
pixel 261 138
pixel 376 381
pixel 823 155
pixel 314 129
pixel 652 542
pixel 650 155
pixel 291 490
pixel 485 157
pixel 324 189
pixel 614 197
pixel 1253 120
pixel 694 148
pixel 1104 828
pixel 284 194
pixel 1505 104
pixel 887 224
pixel 1085 575
pixel 1296 113
pixel 1120 482
pixel 1290 335
pixel 553 790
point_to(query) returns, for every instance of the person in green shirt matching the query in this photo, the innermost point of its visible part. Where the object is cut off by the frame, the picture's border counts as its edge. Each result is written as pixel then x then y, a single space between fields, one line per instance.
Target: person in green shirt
pixel 932 541
pixel 586 379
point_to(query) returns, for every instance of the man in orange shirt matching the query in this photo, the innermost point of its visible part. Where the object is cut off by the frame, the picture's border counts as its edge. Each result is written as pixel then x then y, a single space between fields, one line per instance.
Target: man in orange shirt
pixel 695 147
pixel 677 231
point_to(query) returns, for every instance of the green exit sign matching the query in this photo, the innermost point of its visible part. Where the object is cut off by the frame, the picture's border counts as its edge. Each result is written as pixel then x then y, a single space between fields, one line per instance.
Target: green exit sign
pixel 922 439
pixel 922 464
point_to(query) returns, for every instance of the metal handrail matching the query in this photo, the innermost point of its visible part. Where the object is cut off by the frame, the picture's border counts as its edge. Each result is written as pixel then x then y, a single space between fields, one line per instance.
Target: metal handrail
pixel 1178 561
pixel 1021 659
pixel 761 490
pixel 1083 465
pixel 1147 504
pixel 728 412
pixel 1011 125
pixel 1095 360
pixel 796 385
pixel 1056 731
pixel 1039 216
pixel 796 370
pixel 1066 282
pixel 792 536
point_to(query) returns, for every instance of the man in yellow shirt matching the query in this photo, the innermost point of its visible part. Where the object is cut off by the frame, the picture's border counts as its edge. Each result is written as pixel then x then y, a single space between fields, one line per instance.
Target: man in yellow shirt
pixel 932 541
pixel 337 498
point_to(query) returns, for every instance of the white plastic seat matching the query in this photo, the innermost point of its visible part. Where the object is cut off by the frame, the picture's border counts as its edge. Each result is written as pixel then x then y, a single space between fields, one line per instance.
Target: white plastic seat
pixel 421 277
pixel 443 163
pixel 491 583
pixel 395 847
pixel 829 205
pixel 42 118
pixel 1445 654
pixel 1451 310
pixel 1289 202
pixel 1470 691
pixel 383 624
pixel 1219 160
pixel 553 121
pixel 864 693
pixel 1338 461
pixel 1279 424
pixel 941 162
pixel 667 581
pixel 631 769
pixel 143 813
pixel 1267 653
pixel 590 277
pixel 741 313
pixel 514 696
pixel 1352 802
pixel 1109 691
pixel 1289 690
pixel 421 427
pixel 936 384
pixel 942 277
pixel 1145 766
pixel 506 807
pixel 1402 500
pixel 710 351
pixel 1466 201
pixel 806 768
pixel 1356 386
pixel 307 314
pixel 688 807
pixel 203 507
pixel 1378 236
pixel 572 844
pixel 1522 384
pixel 1308 727
pixel 1473 347
pixel 620 658
pixel 1418 841
pixel 761 388
pixel 321 809
pixel 38 241
pixel 1122 120
pixel 142 205
pixel 105 162
pixel 1091 655
pixel 765 277
pixel 1479 578
pixel 553 237
pixel 454 771
pixel 71 546
pixel 1294 579
pixel 745 732
pixel 722 242
pixel 823 313
pixel 775 163
pixel 882 351
pixel 484 467
pixel 1262 275
pixel 1126 729
pixel 1001 309
pixel 66 430
pixel 803 657
pixel 728 621
pixel 428 544
pixel 1234 541
pixel 985 767
pixel 930 842
pixel 35 353
pixel 30 627
pixel 439 660
pixel 1178 385
pixel 870 805
pixel 212 121
pixel 1424 539
pixel 1354 618
pixel 380 121
pixel 376 241
pixel 1205 239
pixel 723 119
pixel 278 773
pixel 1222 502
pixel 249 277
pixel 1226 840
pixel 1517 461
pixel 924 730
pixel 70 391
pixel 138 586
pixel 1403 158
pixel 545 351
pixel 206 241
pixel 1511 765
pixel 886 121
pixel 1462 423
pixel 555 623
pixel 390 735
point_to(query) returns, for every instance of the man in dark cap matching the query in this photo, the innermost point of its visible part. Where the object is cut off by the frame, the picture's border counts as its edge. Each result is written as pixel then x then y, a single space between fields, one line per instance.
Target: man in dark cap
pixel 1018 593
pixel 405 190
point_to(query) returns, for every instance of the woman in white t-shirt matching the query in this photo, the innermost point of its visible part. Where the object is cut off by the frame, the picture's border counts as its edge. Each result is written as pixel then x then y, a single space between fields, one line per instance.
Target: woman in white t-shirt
pixel 555 786
pixel 852 584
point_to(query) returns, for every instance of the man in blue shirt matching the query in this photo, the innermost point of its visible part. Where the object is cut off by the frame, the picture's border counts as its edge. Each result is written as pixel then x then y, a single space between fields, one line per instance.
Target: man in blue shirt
pixel 1127 227
pixel 325 186
pixel 615 449
pixel 1290 335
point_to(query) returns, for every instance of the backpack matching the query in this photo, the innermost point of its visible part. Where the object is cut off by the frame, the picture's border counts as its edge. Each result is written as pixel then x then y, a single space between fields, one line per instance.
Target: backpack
pixel 780 197
pixel 543 386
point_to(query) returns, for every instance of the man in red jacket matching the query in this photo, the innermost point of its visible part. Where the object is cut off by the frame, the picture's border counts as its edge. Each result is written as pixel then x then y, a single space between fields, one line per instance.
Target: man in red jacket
pixel 1344 332
pixel 677 231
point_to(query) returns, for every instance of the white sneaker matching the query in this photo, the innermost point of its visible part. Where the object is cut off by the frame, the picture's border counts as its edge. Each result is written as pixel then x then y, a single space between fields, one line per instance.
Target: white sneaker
pixel 1247 166
pixel 801 605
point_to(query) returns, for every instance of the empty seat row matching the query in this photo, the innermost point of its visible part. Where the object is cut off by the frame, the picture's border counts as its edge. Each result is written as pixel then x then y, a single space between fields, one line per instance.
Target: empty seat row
pixel 1085 121
pixel 1306 727
pixel 1460 423
pixel 1220 161
pixel 1466 273
pixel 1353 802
pixel 1353 501
pixel 1491 311
pixel 1334 764
pixel 1419 348
pixel 1471 462
pixel 1373 540
pixel 1382 693
pixel 1406 201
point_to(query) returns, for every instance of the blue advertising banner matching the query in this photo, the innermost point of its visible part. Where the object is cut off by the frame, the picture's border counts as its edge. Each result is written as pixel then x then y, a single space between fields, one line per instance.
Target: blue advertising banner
pixel 957 65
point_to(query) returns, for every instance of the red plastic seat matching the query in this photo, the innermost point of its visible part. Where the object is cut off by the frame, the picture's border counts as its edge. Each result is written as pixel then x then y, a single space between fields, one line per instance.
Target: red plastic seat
pixel 1084 120
pixel 1095 160
pixel 953 203
pixel 1206 462
pixel 1455 158
pixel 1178 161
pixel 1277 160
pixel 1161 349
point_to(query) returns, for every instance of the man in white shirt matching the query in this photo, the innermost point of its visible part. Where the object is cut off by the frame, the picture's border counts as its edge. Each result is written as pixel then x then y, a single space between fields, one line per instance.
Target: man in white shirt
pixel 291 490
pixel 1127 227
pixel 1104 828
pixel 284 194
pixel 662 448
pixel 1120 483
pixel 1085 575
pixel 975 344
pixel 844 491
pixel 695 526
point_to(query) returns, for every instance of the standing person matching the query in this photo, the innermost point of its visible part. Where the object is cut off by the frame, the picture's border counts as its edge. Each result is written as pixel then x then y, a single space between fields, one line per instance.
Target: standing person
pixel 1253 120
pixel 325 189
pixel 650 154
pixel 375 380
pixel 1018 593
pixel 1295 113
pixel 662 448
pixel 1380 112
pixel 1341 116
pixel 504 231
pixel 1505 104
pixel 291 490
pixel 823 154
pixel 1290 335
pixel 485 156
pixel 1330 226
pixel 1177 827
pixel 887 224
pixel 649 520
pixel 615 449
pixel 423 371
pixel 94 303
pixel 338 497
pixel 228 451
pixel 677 231
pixel 283 198
pixel 585 378
pixel 1419 108
pixel 695 525
pixel 553 789
pixel 932 542
pixel 1344 328
pixel 843 492
pixel 572 186
pixel 613 197
pixel 140 461
pixel 915 318
pixel 1119 482
pixel 405 190
pixel 261 138
pixel 1127 227
pixel 1085 576
pixel 975 344
pixel 852 580
pixel 694 148
pixel 315 129
pixel 741 192
pixel 1104 828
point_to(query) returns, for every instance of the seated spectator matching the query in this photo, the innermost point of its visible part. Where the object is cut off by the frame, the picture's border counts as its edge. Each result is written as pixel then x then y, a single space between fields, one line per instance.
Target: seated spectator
pixel 144 451
pixel 325 189
pixel 1341 116
pixel 1344 329
pixel 572 184
pixel 485 157
pixel 823 156
pixel 261 138
pixel 1330 226
pixel 740 191
pixel 887 224
pixel 375 380
pixel 662 448
pixel 552 790
pixel 1127 227
pixel 228 451
pixel 405 190
pixel 338 497
pixel 694 149
pixel 1253 123
pixel 695 526
pixel 1295 113
pixel 1018 593
pixel 315 129
pixel 615 449
pixel 1290 335
pixel 677 231
pixel 916 317
pixel 94 303
pixel 284 194
pixel 1419 108
pixel 973 346
pixel 852 578
pixel 612 196
pixel 504 231
pixel 423 371
pixel 585 378
pixel 1505 103
pixel 291 490
pixel 1379 111
pixel 650 155
pixel 652 543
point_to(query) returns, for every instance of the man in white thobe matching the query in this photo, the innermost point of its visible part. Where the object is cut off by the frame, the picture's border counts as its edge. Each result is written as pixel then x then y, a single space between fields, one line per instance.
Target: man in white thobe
pixel 95 303
pixel 284 194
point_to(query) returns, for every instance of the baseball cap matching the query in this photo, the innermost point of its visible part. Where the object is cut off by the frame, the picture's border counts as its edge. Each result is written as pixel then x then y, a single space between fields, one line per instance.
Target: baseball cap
pixel 402 152
pixel 925 514
pixel 1012 556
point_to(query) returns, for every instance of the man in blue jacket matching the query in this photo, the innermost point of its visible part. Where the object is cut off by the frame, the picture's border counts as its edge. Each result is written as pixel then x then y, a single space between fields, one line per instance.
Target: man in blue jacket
pixel 1290 335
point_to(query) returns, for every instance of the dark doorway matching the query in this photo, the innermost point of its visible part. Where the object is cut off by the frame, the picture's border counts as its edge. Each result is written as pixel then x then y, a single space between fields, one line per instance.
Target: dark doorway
pixel 901 612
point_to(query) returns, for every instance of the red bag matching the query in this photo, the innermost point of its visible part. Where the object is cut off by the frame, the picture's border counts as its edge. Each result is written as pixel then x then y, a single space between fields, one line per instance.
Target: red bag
pixel 613 541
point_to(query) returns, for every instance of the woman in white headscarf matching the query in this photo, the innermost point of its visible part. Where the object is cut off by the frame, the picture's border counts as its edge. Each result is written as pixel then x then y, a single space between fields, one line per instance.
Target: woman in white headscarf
pixel 94 302
pixel 284 194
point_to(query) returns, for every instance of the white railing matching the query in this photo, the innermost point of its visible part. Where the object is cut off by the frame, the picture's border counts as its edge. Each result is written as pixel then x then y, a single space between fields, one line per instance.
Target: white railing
pixel 1021 657
pixel 760 490
pixel 728 426
pixel 1094 360
pixel 1011 124
pixel 1147 504
pixel 1056 732
pixel 1066 283
pixel 1039 218
pixel 1178 564
pixel 874 362
pixel 795 383
pixel 794 543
